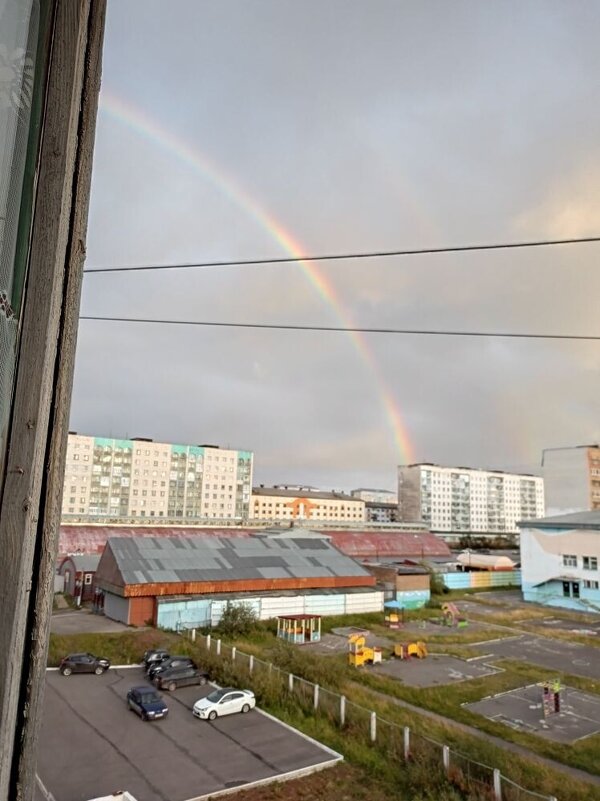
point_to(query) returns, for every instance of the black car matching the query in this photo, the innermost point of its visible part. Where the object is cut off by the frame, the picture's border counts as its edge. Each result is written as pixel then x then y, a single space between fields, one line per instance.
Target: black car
pixel 172 662
pixel 155 657
pixel 175 677
pixel 147 703
pixel 83 663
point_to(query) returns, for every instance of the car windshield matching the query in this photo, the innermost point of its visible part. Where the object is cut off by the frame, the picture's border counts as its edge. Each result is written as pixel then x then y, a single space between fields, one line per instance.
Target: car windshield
pixel 150 698
pixel 216 696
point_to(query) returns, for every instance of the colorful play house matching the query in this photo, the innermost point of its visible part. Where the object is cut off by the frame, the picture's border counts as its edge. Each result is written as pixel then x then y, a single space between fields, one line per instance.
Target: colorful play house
pixel 299 629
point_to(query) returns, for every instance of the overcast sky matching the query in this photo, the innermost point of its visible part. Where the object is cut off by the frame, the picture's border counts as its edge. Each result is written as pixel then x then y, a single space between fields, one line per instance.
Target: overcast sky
pixel 353 126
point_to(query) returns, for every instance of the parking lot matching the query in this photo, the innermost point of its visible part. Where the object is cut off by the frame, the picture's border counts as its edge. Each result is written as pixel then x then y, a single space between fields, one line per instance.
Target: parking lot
pixel 92 745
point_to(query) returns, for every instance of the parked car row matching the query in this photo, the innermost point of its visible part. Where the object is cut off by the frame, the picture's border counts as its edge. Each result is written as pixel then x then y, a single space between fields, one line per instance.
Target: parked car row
pixel 166 672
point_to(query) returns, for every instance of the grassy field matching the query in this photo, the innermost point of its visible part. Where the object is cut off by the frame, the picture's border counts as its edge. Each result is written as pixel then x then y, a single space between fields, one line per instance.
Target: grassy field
pixel 362 688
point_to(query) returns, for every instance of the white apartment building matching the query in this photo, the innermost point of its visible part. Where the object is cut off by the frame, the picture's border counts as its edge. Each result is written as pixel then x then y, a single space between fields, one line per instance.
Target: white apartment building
pixel 460 499
pixel 381 506
pixel 571 479
pixel 129 478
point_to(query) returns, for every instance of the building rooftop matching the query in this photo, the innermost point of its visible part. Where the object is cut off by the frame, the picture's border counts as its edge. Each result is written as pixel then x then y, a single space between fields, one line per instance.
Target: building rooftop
pixel 304 492
pixel 458 468
pixel 159 560
pixel 589 520
pixel 85 562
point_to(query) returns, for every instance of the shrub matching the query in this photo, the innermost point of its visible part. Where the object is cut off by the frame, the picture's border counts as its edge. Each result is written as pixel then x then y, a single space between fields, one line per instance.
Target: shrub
pixel 238 620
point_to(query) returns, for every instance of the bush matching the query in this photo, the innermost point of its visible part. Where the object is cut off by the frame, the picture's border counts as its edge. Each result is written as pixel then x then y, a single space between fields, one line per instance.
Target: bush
pixel 238 620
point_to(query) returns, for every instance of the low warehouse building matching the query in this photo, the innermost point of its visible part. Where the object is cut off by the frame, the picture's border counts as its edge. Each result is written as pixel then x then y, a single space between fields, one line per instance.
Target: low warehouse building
pixel 78 572
pixel 183 582
pixel 410 586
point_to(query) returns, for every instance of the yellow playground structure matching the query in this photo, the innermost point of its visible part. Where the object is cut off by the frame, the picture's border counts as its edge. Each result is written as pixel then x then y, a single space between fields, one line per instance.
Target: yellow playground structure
pixel 452 616
pixel 406 651
pixel 360 654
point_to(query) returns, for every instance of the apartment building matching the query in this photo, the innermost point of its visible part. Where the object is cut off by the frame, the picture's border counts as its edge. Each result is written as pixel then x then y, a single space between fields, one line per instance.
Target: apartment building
pixel 461 499
pixel 571 479
pixel 129 478
pixel 296 502
pixel 381 506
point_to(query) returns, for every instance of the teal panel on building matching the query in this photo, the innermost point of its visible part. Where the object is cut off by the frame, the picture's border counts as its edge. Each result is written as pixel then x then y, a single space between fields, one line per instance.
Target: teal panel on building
pixel 413 599
pixel 184 614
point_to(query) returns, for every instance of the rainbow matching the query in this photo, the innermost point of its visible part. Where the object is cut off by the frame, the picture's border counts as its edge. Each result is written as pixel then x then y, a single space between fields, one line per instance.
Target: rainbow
pixel 138 121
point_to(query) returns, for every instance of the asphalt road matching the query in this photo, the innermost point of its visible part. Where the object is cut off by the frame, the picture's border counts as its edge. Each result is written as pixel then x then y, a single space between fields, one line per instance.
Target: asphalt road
pixel 83 622
pixel 92 745
pixel 549 654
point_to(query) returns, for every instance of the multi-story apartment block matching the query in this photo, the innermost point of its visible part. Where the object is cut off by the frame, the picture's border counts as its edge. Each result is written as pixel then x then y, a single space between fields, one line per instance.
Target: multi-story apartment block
pixel 461 499
pixel 129 478
pixel 381 506
pixel 571 479
pixel 285 502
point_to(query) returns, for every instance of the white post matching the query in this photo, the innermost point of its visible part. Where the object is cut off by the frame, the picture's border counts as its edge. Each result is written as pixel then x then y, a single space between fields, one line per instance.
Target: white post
pixel 373 726
pixel 193 635
pixel 406 743
pixel 446 758
pixel 291 682
pixel 270 668
pixel 342 710
pixel 219 647
pixel 208 642
pixel 316 696
pixel 497 785
pixel 233 653
pixel 251 663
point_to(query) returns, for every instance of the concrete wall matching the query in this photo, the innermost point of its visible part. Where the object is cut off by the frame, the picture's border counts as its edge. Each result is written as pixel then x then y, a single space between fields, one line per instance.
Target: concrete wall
pixel 482 578
pixel 200 612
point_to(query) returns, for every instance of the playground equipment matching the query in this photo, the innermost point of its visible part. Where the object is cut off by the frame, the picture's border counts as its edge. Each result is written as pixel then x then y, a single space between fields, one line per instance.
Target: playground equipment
pixel 406 651
pixel 551 697
pixel 359 654
pixel 299 629
pixel 392 619
pixel 452 616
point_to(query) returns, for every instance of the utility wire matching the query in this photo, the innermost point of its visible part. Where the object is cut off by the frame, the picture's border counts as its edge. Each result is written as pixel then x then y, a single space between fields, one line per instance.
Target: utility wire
pixel 357 330
pixel 343 256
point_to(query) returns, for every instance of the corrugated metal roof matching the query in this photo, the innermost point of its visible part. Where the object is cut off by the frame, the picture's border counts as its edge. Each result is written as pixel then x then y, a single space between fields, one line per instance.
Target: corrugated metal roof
pixel 357 543
pixel 572 520
pixel 161 561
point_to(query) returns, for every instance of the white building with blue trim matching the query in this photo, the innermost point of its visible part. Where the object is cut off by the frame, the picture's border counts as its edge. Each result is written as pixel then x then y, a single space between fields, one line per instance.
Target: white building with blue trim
pixel 560 561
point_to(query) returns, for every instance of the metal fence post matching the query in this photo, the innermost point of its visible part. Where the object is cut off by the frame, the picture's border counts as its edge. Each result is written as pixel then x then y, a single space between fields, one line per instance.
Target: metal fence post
pixel 316 696
pixel 373 726
pixel 342 710
pixel 193 635
pixel 497 785
pixel 291 682
pixel 208 642
pixel 446 758
pixel 270 668
pixel 406 743
pixel 233 650
pixel 251 663
pixel 219 647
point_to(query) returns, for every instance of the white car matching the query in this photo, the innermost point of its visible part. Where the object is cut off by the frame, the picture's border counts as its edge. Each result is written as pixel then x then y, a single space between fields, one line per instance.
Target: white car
pixel 224 702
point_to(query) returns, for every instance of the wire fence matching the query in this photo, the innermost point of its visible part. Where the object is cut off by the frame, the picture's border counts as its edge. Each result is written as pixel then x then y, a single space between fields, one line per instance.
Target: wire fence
pixel 398 743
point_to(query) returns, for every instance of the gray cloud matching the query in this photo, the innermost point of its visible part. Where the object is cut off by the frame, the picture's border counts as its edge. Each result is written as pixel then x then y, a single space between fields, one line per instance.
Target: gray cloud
pixel 354 126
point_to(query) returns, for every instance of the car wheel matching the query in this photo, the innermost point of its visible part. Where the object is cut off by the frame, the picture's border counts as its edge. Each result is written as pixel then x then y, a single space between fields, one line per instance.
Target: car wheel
pixel 66 671
pixel 212 715
pixel 171 686
pixel 144 717
pixel 99 671
pixel 202 681
pixel 246 708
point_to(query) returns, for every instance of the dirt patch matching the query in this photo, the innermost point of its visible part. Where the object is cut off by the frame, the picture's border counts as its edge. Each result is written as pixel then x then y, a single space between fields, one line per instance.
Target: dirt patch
pixel 343 782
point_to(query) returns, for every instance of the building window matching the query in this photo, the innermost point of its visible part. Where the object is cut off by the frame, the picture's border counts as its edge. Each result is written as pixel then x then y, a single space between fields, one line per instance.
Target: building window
pixel 590 585
pixel 590 563
pixel 88 578
pixel 569 560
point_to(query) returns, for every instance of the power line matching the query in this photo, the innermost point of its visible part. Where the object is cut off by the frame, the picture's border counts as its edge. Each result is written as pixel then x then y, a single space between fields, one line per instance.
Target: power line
pixel 341 329
pixel 381 254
